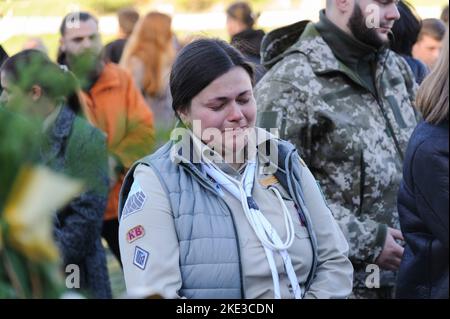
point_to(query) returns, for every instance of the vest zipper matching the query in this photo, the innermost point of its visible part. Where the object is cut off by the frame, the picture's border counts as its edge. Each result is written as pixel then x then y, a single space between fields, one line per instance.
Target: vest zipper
pixel 213 189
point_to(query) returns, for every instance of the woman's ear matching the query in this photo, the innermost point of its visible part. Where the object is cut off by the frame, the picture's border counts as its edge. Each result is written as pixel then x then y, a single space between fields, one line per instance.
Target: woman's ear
pixel 184 116
pixel 36 92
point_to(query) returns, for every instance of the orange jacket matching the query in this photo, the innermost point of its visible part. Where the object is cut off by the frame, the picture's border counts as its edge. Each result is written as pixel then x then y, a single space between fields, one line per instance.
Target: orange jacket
pixel 115 105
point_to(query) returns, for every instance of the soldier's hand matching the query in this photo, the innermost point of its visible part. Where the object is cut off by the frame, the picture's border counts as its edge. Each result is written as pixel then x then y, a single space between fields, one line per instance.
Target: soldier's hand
pixel 391 255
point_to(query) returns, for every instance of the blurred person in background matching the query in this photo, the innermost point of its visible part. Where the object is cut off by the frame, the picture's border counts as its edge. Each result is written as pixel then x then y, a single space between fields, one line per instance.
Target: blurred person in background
pixel 3 55
pixel 127 18
pixel 39 88
pixel 113 103
pixel 444 15
pixel 149 55
pixel 240 27
pixel 429 42
pixel 35 43
pixel 405 33
pixel 423 202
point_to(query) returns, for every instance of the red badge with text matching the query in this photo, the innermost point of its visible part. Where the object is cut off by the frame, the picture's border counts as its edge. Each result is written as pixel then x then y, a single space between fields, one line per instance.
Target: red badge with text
pixel 135 233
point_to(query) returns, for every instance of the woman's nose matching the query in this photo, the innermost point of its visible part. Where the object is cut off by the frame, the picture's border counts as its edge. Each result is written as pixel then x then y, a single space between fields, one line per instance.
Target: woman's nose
pixel 235 112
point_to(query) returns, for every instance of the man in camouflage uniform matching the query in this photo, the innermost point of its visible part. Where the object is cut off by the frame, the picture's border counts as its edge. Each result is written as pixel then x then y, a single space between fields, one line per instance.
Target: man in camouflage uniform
pixel 346 101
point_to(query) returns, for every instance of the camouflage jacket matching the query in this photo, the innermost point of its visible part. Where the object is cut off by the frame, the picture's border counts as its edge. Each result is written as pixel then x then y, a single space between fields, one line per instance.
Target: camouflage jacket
pixel 352 139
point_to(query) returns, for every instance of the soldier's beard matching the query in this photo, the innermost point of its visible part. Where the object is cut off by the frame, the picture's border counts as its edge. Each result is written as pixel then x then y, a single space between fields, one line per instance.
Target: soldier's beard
pixel 86 66
pixel 359 29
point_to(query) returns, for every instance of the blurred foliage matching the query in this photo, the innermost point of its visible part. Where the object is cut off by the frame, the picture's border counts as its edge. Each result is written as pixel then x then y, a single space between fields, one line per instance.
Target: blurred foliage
pixel 19 276
pixel 110 6
pixel 61 7
pixel 19 136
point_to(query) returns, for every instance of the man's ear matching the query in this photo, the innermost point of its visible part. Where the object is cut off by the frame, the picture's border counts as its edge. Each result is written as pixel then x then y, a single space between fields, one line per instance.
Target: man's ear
pixel 36 92
pixel 62 45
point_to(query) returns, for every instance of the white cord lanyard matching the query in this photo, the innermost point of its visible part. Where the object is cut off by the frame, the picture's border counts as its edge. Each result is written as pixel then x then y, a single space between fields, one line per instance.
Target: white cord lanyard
pixel 264 231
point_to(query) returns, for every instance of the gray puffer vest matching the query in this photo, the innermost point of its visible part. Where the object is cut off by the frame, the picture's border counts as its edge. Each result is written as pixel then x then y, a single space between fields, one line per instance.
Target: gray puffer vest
pixel 209 246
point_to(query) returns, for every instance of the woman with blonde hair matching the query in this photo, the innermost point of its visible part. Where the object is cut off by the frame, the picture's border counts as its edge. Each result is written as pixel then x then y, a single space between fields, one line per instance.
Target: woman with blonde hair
pixel 423 197
pixel 149 55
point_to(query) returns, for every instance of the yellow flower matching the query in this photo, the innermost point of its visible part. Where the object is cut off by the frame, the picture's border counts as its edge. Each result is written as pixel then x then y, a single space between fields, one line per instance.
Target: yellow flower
pixel 36 195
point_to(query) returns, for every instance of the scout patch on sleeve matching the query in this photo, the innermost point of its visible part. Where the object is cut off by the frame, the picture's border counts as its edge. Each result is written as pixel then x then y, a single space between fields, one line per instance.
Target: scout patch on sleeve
pixel 135 201
pixel 140 257
pixel 135 233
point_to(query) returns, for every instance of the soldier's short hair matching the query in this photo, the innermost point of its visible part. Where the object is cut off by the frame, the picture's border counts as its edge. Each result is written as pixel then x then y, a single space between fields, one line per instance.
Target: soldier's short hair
pixel 434 28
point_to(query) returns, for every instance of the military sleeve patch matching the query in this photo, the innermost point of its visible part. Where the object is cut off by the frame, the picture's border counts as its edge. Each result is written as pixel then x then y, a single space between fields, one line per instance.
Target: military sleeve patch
pixel 140 257
pixel 135 233
pixel 135 201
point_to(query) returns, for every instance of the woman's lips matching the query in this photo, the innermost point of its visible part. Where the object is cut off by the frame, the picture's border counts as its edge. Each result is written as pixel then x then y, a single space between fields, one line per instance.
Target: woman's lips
pixel 235 129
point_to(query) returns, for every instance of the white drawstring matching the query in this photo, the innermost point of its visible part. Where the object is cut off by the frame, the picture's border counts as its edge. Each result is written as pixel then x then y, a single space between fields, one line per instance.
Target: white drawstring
pixel 267 235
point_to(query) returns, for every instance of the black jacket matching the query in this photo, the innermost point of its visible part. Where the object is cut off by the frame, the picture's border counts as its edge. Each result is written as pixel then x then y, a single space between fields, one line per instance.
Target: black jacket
pixel 113 51
pixel 423 208
pixel 419 69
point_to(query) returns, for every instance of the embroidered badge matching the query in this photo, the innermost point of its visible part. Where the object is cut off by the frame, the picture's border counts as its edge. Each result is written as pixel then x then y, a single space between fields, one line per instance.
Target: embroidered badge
pixel 135 202
pixel 135 233
pixel 140 257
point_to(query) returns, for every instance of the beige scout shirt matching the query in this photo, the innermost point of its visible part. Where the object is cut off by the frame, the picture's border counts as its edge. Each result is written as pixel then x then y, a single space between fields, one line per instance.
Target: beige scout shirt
pixel 156 236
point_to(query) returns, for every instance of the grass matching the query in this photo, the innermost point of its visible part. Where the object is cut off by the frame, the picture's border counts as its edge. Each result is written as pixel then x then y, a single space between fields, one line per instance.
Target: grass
pixel 59 7
pixel 115 274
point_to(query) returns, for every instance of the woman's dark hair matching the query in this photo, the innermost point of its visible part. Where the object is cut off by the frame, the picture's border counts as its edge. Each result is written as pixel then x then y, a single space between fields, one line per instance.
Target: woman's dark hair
pixel 200 63
pixel 242 12
pixel 406 29
pixel 33 67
